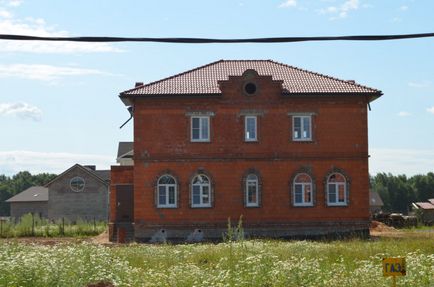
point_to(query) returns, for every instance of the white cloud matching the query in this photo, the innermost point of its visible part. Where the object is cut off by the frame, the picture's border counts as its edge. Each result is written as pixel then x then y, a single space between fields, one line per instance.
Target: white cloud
pixel 401 161
pixel 288 3
pixel 420 84
pixel 22 110
pixel 430 110
pixel 5 14
pixel 341 11
pixel 404 114
pixel 38 27
pixel 403 8
pixel 15 3
pixel 12 162
pixel 45 72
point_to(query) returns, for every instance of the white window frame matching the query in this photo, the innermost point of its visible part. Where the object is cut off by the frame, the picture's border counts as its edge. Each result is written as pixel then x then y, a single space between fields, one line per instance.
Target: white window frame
pixel 201 137
pixel 303 190
pixel 167 190
pixel 336 185
pixel 256 184
pixel 246 138
pixel 302 127
pixel 201 192
pixel 77 184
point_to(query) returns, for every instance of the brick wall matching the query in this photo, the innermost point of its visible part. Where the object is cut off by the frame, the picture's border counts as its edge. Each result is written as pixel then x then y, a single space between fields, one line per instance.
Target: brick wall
pixel 119 175
pixel 276 205
pixel 162 143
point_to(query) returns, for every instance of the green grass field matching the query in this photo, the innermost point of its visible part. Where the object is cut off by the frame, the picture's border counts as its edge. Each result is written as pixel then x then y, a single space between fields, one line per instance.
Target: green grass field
pixel 246 263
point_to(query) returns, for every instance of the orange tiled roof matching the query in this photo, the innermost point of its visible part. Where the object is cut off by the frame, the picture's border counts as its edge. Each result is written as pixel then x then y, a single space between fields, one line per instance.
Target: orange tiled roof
pixel 204 80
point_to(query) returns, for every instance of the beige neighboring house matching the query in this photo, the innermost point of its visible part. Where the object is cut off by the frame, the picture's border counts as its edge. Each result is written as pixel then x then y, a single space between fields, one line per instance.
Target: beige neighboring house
pixel 426 209
pixel 375 202
pixel 80 192
pixel 32 200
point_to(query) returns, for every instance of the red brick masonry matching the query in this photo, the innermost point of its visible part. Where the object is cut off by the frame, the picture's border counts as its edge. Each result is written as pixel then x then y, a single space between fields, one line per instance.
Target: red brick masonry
pixel 162 145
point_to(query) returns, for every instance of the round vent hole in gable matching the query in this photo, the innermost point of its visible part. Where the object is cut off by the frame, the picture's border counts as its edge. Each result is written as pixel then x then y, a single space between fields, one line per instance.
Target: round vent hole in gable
pixel 250 88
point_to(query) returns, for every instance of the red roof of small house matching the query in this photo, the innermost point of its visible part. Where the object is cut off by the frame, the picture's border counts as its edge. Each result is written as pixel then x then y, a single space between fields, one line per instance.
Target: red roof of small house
pixel 204 80
pixel 425 205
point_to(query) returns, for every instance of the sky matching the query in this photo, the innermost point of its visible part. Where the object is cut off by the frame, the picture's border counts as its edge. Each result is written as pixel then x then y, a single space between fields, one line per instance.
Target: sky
pixel 59 101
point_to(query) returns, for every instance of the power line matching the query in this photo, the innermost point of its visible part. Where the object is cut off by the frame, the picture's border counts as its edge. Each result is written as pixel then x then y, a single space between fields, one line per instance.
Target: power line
pixel 211 40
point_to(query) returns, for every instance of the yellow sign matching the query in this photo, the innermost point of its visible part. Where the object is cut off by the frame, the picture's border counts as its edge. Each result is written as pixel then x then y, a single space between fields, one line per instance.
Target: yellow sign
pixel 394 267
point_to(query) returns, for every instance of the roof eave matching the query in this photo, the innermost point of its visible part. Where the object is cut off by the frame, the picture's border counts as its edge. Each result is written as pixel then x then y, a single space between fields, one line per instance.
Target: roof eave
pixel 127 99
pixel 14 201
pixel 371 96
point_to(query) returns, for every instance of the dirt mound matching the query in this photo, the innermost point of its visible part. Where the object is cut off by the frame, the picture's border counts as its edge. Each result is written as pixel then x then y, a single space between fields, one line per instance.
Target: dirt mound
pixel 377 226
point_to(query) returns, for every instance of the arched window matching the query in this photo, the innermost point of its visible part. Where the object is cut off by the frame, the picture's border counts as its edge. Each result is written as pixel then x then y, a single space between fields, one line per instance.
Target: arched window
pixel 336 189
pixel 167 192
pixel 252 190
pixel 200 191
pixel 302 190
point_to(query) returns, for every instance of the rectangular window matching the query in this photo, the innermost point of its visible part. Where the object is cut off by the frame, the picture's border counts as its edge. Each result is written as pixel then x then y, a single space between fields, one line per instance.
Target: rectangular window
pixel 250 128
pixel 199 129
pixel 341 193
pixel 307 193
pixel 303 194
pixel 161 195
pixel 171 195
pixel 196 195
pixel 332 193
pixel 298 194
pixel 205 195
pixel 302 128
pixel 337 194
pixel 252 193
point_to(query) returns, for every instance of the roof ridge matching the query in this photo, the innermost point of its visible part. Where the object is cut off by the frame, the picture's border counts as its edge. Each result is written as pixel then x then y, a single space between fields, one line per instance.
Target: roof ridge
pixel 324 76
pixel 173 76
pixel 244 60
pixel 80 167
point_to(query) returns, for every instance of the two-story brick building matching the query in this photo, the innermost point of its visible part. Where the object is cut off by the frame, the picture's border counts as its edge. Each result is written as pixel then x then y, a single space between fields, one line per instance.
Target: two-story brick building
pixel 284 147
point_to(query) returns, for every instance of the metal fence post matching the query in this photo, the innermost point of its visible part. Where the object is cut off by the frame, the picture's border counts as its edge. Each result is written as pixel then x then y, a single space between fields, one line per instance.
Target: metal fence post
pixel 33 224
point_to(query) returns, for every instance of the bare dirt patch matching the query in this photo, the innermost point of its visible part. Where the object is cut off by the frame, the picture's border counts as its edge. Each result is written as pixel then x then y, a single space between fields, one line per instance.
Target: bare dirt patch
pixel 379 229
pixel 101 284
pixel 103 238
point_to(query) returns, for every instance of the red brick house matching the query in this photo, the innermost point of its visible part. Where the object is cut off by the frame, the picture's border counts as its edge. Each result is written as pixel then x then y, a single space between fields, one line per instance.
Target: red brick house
pixel 284 147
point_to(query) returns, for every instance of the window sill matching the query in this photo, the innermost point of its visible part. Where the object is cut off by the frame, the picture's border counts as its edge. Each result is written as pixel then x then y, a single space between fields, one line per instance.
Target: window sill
pixel 200 206
pixel 337 204
pixel 166 207
pixel 303 205
pixel 200 141
pixel 303 140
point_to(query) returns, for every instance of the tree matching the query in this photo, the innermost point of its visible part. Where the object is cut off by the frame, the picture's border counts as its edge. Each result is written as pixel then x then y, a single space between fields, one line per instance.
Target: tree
pixel 10 186
pixel 398 192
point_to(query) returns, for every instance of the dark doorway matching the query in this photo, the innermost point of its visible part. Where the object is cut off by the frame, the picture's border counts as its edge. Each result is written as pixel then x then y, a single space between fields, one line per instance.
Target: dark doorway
pixel 124 203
